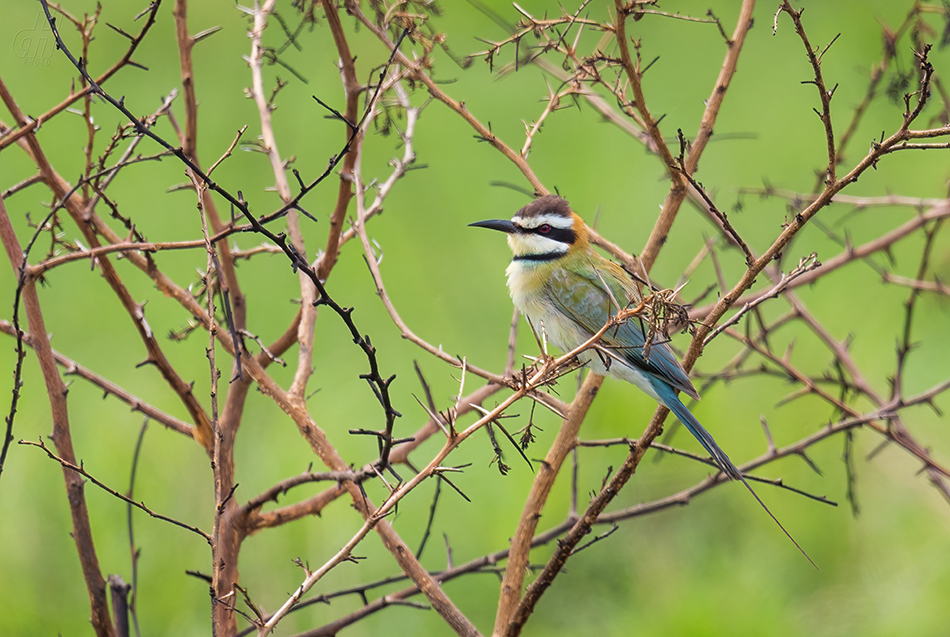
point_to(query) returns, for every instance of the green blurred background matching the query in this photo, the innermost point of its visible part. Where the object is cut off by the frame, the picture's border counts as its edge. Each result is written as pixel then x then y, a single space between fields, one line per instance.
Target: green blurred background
pixel 718 566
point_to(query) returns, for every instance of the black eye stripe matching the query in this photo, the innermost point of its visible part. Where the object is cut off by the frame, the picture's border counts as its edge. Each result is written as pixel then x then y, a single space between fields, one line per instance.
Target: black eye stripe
pixel 561 235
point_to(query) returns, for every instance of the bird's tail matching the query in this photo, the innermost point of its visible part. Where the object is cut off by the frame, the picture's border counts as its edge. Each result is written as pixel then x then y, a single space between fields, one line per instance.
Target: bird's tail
pixel 672 401
pixel 668 395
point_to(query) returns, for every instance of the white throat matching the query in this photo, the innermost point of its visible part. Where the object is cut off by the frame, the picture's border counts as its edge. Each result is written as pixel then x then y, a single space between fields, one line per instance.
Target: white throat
pixel 527 244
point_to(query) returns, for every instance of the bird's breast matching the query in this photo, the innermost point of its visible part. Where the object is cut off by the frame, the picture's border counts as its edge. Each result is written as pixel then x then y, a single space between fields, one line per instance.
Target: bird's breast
pixel 541 289
pixel 526 282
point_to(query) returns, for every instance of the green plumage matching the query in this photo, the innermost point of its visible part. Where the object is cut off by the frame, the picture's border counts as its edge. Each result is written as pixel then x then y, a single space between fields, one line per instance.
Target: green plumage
pixel 574 296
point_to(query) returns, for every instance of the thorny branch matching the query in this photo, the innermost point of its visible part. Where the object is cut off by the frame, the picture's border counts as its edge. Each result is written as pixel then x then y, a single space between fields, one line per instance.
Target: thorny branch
pixel 587 60
pixel 139 505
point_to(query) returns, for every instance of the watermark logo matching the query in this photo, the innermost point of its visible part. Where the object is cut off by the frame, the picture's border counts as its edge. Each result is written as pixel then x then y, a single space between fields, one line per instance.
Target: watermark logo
pixel 35 45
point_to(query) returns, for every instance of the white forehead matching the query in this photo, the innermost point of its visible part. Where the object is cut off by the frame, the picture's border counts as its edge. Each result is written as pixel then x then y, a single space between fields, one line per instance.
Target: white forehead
pixel 535 221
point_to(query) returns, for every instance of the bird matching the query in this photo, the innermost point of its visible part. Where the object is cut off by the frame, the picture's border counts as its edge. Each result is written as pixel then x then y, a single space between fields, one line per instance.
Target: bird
pixel 569 291
pixel 565 288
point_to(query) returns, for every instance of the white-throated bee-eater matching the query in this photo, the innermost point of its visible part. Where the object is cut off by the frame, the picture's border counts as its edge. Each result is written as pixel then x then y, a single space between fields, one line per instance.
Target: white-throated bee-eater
pixel 569 292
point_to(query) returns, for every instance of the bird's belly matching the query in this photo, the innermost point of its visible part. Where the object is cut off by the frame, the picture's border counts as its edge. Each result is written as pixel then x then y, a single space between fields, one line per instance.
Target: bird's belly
pixel 558 329
pixel 566 335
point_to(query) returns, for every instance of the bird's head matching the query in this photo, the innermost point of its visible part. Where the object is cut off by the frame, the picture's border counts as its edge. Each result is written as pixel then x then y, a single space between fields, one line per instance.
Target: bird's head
pixel 544 230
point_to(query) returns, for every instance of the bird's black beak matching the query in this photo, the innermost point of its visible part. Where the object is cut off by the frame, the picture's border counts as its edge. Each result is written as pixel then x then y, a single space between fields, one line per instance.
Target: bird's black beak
pixel 496 224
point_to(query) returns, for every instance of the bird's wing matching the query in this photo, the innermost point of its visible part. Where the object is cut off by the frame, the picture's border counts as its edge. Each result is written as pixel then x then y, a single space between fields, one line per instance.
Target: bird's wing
pixel 583 298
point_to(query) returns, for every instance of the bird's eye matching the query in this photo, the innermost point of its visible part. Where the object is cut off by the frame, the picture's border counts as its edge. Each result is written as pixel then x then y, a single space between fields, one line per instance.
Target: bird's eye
pixel 544 228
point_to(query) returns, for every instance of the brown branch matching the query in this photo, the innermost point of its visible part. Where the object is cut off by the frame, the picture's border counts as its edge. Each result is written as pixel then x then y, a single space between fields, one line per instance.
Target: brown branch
pixel 547 371
pixel 791 229
pixel 222 260
pixel 305 329
pixel 808 264
pixel 352 90
pixel 108 387
pixel 624 123
pixel 846 379
pixel 681 498
pixel 257 520
pixel 228 282
pixel 678 189
pixel 364 212
pixel 940 211
pixel 824 95
pixel 66 465
pixel 884 411
pixel 308 429
pixel 62 436
pixel 189 140
pixel 936 285
pixel 548 470
pixel 31 125
pixel 511 614
pixel 77 210
pixel 284 486
pixel 484 133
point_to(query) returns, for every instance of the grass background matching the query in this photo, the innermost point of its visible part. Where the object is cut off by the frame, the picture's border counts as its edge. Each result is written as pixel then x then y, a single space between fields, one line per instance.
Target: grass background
pixel 718 566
